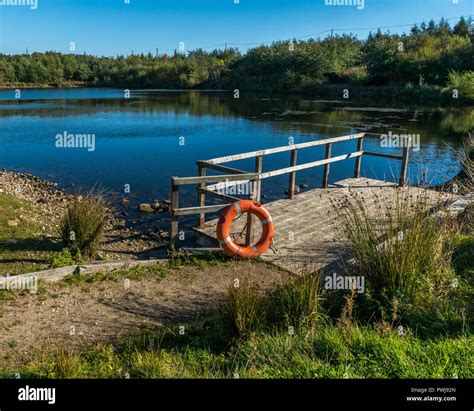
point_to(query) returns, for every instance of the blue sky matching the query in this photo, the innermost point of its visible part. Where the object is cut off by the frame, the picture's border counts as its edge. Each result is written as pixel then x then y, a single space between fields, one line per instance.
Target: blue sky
pixel 110 27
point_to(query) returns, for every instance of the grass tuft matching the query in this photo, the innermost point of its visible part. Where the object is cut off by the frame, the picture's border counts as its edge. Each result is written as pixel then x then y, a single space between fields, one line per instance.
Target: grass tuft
pixel 82 227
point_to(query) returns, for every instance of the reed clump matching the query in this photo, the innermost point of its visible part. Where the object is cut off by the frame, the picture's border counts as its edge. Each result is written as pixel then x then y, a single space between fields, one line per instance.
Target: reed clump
pixel 82 226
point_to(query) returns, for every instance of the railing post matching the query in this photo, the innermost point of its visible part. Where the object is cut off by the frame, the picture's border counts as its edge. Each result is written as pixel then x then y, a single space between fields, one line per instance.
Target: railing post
pixel 404 166
pixel 258 183
pixel 327 167
pixel 292 178
pixel 255 194
pixel 201 196
pixel 174 218
pixel 360 143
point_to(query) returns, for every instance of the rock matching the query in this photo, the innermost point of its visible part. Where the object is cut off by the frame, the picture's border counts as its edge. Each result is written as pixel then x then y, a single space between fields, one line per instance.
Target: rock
pixel 303 185
pixel 166 202
pixel 146 208
pixel 297 190
pixel 12 223
pixel 78 198
pixel 156 205
pixel 164 233
pixel 125 201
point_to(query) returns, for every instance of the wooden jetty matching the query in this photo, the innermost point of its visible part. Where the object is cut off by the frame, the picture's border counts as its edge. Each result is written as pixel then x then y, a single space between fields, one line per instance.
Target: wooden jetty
pixel 307 236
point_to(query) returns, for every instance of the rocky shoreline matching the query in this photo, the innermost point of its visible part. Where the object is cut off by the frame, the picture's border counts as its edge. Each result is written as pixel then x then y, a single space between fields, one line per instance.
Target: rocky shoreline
pixel 120 241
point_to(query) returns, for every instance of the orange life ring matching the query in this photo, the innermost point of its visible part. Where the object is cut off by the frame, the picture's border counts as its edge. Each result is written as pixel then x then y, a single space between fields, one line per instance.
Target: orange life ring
pixel 230 247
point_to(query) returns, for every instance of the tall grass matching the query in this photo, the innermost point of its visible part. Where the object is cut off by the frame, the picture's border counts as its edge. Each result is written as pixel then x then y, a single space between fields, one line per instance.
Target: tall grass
pixel 465 155
pixel 244 309
pixel 296 304
pixel 402 251
pixel 82 227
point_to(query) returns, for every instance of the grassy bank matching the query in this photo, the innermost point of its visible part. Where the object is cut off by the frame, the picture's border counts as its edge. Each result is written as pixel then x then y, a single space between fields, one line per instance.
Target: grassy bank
pixel 296 331
pixel 25 241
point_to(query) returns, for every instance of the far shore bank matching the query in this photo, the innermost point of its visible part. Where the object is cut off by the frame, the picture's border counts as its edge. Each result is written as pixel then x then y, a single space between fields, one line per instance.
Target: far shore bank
pixel 427 95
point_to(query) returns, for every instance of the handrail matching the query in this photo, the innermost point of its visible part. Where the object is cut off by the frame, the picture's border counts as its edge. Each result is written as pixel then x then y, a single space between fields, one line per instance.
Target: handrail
pixel 282 149
pixel 210 179
pixel 235 176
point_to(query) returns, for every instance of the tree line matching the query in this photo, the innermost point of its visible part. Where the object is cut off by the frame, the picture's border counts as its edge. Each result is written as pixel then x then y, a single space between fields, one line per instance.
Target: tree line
pixel 431 54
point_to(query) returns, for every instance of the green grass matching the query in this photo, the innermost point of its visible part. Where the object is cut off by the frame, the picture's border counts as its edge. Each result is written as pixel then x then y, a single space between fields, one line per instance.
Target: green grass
pixel 463 257
pixel 215 346
pixel 23 247
pixel 327 353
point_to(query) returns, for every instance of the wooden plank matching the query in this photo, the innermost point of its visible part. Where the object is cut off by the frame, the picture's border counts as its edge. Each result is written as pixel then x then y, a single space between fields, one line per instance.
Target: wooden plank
pixel 292 177
pixel 201 195
pixel 360 142
pixel 281 149
pixel 327 167
pixel 386 155
pixel 212 179
pixel 219 167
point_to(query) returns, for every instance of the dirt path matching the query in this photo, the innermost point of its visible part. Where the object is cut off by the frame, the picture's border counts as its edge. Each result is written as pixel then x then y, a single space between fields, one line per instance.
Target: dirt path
pixel 105 311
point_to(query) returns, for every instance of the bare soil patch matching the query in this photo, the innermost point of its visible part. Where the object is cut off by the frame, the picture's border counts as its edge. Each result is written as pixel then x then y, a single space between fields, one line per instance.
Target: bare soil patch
pixel 107 311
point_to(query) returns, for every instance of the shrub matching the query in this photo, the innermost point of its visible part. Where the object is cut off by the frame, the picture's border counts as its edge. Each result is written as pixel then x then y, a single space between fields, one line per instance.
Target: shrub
pixel 82 227
pixel 463 82
pixel 61 259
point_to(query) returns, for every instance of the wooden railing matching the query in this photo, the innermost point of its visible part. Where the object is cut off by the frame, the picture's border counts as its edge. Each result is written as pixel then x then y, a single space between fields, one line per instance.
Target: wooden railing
pixel 236 176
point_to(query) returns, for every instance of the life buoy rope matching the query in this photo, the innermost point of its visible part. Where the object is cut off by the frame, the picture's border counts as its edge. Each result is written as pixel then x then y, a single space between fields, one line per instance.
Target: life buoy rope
pixel 230 213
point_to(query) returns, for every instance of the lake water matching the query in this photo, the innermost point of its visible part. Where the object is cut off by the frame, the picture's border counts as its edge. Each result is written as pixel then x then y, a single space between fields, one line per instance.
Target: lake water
pixel 155 134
